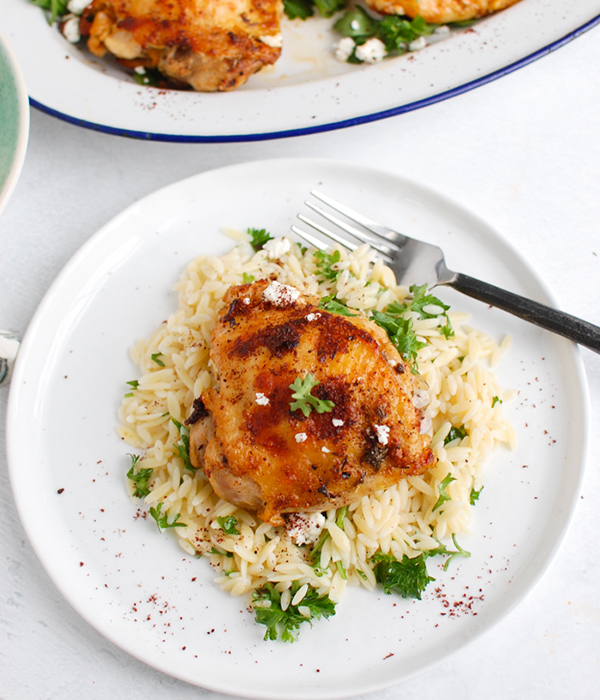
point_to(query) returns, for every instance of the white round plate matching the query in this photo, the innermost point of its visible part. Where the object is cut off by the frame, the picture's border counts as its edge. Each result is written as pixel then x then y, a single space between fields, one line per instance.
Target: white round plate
pixel 307 91
pixel 134 584
pixel 14 121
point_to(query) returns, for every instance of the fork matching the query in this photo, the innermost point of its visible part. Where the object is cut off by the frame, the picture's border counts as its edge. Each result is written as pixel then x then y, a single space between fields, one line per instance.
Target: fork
pixel 415 261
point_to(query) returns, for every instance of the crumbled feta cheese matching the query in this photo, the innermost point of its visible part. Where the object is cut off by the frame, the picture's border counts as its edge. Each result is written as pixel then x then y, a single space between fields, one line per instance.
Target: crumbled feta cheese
pixel 304 528
pixel 418 44
pixel 261 399
pixel 383 433
pixel 70 30
pixel 325 449
pixel 337 422
pixel 372 51
pixel 275 41
pixel 301 437
pixel 140 70
pixel 443 29
pixel 246 300
pixel 276 247
pixel 281 294
pixel 312 317
pixel 344 49
pixel 77 6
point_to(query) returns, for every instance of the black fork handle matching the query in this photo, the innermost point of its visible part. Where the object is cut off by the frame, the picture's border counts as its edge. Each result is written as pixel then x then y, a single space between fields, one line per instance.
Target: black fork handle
pixel 546 317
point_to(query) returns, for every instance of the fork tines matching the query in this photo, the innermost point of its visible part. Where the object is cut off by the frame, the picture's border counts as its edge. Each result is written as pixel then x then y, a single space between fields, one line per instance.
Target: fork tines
pixel 386 251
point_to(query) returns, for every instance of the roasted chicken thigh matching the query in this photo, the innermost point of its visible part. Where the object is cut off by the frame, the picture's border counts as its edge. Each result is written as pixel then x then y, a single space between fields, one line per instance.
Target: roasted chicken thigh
pixel 360 432
pixel 207 44
pixel 440 11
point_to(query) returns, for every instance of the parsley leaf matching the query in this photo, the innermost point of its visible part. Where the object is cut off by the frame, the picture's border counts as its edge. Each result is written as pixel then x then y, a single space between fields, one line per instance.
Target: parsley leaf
pixel 156 358
pixel 150 76
pixel 460 552
pixel 140 478
pixel 395 31
pixel 305 401
pixel 259 237
pixel 400 332
pixel 474 495
pixel 228 524
pixel 57 8
pixel 298 9
pixel 247 279
pixel 407 577
pixel 303 9
pixel 183 446
pixel 443 497
pixel 335 306
pixel 325 261
pixel 427 306
pixel 285 624
pixel 162 519
pixel 455 433
pixel 327 8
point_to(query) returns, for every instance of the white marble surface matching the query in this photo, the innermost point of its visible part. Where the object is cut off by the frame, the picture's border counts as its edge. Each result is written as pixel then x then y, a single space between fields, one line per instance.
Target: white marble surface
pixel 522 152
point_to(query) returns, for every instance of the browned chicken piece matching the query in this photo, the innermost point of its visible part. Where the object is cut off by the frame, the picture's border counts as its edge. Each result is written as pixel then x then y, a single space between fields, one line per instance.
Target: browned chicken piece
pixel 208 44
pixel 268 457
pixel 440 11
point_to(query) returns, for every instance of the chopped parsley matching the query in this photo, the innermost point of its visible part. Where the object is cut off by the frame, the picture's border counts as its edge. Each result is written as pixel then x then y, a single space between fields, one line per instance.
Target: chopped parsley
pixel 427 306
pixel 228 524
pixel 396 32
pixel 474 495
pixel 325 262
pixel 304 400
pixel 162 519
pixel 285 624
pixel 56 8
pixel 400 329
pixel 150 76
pixel 407 577
pixel 247 279
pixel 303 9
pixel 134 385
pixel 332 304
pixel 460 552
pixel 183 445
pixel 400 332
pixel 443 496
pixel 496 400
pixel 155 357
pixel 141 478
pixel 455 434
pixel 259 236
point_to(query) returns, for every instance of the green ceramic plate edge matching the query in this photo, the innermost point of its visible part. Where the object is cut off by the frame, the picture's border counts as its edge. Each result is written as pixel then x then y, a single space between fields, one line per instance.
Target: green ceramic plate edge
pixel 14 123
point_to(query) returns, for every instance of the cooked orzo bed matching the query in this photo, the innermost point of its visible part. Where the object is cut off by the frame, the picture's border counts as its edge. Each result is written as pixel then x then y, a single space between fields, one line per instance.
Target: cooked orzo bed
pixel 413 517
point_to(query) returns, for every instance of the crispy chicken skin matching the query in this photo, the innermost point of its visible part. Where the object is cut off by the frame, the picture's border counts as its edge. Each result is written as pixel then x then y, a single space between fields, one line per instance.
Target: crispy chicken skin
pixel 208 44
pixel 270 459
pixel 440 11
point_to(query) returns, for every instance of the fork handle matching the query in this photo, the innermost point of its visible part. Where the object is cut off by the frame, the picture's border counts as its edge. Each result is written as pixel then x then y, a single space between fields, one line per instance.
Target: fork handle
pixel 546 317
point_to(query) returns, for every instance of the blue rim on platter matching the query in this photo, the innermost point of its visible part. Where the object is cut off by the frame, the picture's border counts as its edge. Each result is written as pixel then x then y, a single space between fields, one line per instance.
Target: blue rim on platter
pixel 307 92
pixel 342 124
